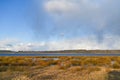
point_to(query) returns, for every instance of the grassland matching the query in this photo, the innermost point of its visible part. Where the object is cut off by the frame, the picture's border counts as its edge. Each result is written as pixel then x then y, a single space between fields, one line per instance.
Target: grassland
pixel 59 68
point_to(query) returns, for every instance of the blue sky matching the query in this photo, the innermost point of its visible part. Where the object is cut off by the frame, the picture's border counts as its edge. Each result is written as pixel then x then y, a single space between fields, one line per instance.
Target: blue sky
pixel 13 22
pixel 18 20
pixel 46 24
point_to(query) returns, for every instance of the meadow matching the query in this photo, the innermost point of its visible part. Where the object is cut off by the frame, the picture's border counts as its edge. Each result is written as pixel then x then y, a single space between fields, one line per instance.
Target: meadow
pixel 59 68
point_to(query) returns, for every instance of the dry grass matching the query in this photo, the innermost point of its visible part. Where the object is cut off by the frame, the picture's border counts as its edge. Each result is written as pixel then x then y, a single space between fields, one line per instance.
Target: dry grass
pixel 55 73
pixel 66 68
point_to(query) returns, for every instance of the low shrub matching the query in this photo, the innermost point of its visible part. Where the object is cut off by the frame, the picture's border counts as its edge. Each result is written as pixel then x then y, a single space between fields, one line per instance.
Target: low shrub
pixel 116 65
pixel 3 68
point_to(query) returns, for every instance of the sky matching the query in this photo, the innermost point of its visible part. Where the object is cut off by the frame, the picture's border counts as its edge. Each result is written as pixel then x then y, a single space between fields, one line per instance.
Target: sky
pixel 59 24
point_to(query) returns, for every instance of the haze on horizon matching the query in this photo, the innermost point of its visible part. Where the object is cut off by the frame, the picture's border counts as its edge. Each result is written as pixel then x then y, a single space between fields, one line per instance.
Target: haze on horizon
pixel 59 24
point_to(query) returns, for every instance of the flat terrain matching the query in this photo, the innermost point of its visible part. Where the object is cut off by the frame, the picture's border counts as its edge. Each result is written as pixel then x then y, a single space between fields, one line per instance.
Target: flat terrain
pixel 59 54
pixel 55 73
pixel 60 68
pixel 64 51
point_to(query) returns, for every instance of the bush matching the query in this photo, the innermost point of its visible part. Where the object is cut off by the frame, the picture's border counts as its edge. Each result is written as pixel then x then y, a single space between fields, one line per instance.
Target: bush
pixel 65 65
pixel 17 68
pixel 76 69
pixel 3 68
pixel 116 65
pixel 94 69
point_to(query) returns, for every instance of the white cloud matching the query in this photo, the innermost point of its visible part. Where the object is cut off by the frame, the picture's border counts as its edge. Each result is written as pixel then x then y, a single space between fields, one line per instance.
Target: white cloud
pixel 95 13
pixel 16 45
pixel 73 8
pixel 109 42
pixel 60 7
pixel 84 10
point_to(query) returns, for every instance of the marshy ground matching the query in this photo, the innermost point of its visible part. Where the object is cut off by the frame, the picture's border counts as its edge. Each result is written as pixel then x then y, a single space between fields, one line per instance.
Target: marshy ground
pixel 59 68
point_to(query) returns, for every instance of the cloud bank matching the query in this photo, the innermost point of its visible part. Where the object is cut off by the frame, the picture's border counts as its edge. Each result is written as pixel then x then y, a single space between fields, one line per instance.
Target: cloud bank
pixel 89 43
pixel 101 16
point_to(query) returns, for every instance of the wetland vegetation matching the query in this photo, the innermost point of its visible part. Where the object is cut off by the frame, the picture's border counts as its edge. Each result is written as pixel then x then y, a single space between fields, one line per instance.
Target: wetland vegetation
pixel 59 68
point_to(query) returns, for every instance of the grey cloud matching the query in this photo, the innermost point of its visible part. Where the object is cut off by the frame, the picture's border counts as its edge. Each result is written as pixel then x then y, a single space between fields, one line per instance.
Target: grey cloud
pixel 101 16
